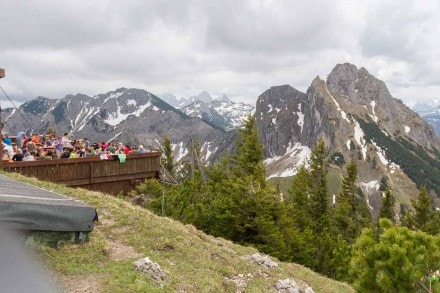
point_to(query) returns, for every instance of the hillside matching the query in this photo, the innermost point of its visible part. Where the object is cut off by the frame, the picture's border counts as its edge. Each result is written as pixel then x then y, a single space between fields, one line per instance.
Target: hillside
pixel 195 261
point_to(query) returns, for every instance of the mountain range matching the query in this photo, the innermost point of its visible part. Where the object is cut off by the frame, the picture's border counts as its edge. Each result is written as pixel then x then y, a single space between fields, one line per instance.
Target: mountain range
pixel 351 110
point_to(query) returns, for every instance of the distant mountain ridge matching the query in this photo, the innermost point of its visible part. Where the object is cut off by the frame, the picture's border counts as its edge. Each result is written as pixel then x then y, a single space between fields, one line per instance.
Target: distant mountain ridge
pixel 219 111
pixel 132 116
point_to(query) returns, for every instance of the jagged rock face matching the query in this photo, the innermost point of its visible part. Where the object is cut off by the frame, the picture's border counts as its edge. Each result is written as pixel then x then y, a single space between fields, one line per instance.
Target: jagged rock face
pixel 281 119
pixel 128 115
pixel 328 111
pixel 366 96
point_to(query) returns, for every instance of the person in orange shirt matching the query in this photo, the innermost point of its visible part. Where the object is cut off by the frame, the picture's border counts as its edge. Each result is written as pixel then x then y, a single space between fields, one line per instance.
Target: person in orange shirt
pixel 35 138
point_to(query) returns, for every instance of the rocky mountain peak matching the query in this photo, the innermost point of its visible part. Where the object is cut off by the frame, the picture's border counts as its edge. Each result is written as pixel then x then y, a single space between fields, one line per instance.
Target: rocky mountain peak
pixel 358 85
pixel 205 97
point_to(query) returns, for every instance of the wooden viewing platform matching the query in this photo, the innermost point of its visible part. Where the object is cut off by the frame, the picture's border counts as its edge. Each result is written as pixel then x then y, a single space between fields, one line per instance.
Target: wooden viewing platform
pixel 92 173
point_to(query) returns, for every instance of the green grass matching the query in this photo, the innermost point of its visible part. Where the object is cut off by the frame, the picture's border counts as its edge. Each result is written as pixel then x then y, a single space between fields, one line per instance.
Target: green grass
pixel 196 262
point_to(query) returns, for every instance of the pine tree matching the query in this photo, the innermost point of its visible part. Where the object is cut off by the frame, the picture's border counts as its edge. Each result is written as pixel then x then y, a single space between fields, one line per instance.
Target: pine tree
pixel 396 260
pixel 244 208
pixel 387 208
pixel 298 203
pixel 248 156
pixel 425 218
pixel 349 214
pixel 297 225
pixel 318 190
pixel 168 155
pixel 320 211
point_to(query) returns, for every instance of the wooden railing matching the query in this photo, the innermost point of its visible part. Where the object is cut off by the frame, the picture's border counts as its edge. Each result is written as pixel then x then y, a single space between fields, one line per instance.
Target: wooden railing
pixel 108 176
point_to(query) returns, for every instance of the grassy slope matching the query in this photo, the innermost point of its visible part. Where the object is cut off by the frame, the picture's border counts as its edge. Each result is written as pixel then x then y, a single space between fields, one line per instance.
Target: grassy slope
pixel 196 262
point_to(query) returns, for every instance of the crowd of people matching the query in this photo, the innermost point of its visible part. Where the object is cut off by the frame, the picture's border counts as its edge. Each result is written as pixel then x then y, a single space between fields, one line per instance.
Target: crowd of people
pixel 42 147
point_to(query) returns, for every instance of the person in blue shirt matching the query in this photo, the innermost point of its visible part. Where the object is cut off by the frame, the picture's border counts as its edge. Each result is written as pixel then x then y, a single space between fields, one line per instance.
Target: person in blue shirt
pixel 20 137
pixel 7 140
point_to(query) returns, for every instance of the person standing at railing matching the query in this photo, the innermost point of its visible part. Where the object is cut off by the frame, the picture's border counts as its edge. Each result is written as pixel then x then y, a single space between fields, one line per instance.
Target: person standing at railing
pixel 20 139
pixel 66 140
pixel 58 147
pixel 141 149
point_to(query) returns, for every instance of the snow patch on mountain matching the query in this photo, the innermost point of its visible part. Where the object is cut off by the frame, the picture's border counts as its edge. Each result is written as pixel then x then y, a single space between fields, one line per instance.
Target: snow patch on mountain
pixel 287 165
pixel 115 137
pixel 82 120
pixel 206 152
pixel 381 154
pixel 343 114
pixel 373 116
pixel 270 108
pixel 370 187
pixel 114 95
pixel 300 117
pixel 118 117
pixel 407 129
pixel 179 151
pixel 359 138
pixel 131 102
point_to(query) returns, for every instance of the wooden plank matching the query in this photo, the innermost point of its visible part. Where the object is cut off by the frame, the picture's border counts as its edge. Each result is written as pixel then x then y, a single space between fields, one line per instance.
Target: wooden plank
pixel 76 182
pixel 123 177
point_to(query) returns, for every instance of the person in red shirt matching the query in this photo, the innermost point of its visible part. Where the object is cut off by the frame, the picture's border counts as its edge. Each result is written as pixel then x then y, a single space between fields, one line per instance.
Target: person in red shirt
pixel 127 149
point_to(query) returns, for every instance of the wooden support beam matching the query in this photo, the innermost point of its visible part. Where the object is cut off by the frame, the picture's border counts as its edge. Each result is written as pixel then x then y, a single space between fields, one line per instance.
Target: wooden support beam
pixel 2 72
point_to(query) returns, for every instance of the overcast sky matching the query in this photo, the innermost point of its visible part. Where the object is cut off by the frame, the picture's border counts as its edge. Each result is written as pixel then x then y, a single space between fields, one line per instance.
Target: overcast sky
pixel 238 48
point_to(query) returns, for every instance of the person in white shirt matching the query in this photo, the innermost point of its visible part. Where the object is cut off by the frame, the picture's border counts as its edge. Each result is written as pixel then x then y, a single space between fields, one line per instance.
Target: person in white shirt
pixel 65 140
pixel 141 149
pixel 28 157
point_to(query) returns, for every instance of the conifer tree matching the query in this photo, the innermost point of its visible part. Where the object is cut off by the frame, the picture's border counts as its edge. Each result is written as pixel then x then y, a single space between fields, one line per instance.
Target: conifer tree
pixel 168 162
pixel 423 209
pixel 297 226
pixel 350 210
pixel 396 260
pixel 298 203
pixel 425 218
pixel 248 156
pixel 244 208
pixel 387 208
pixel 320 211
pixel 318 190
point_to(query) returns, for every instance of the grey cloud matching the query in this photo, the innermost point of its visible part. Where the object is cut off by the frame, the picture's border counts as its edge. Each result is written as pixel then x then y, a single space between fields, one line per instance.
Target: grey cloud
pixel 239 48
